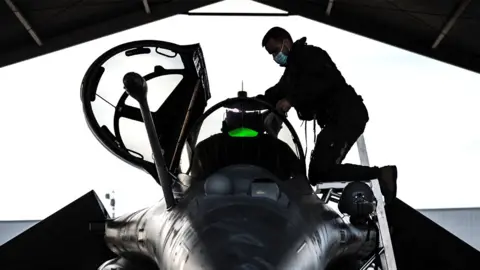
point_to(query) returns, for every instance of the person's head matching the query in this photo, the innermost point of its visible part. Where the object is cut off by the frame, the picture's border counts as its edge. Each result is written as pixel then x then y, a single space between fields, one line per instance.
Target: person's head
pixel 278 43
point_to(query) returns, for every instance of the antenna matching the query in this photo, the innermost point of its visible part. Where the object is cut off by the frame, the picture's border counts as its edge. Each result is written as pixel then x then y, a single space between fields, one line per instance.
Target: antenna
pixel 111 197
pixel 242 93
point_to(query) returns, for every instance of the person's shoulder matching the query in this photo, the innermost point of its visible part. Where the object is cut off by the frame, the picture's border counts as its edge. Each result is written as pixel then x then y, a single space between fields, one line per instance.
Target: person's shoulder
pixel 314 49
pixel 307 50
pixel 309 54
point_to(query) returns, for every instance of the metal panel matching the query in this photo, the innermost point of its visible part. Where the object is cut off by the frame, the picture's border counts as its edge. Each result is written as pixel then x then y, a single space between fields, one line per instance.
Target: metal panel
pixel 10 229
pixel 464 223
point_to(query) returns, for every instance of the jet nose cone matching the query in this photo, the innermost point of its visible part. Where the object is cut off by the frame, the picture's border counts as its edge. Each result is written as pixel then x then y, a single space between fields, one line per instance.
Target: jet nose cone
pixel 246 258
pixel 247 236
pixel 247 266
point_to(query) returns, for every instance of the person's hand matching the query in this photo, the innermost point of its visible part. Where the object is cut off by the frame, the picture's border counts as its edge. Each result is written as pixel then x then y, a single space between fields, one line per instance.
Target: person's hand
pixel 283 105
pixel 272 124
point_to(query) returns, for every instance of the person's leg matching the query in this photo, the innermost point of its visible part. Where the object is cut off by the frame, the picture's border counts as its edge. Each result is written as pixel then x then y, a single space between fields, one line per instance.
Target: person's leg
pixel 331 147
pixel 333 144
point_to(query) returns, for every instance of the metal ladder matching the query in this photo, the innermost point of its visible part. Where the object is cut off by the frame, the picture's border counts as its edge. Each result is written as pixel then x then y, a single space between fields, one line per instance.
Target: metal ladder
pixel 386 254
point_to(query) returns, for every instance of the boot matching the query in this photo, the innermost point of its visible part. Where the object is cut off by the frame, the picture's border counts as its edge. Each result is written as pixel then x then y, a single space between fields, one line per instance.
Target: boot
pixel 388 183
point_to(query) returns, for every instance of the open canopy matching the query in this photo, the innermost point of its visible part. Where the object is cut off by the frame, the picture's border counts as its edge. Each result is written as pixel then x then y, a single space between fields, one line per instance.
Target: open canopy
pixel 444 30
pixel 177 85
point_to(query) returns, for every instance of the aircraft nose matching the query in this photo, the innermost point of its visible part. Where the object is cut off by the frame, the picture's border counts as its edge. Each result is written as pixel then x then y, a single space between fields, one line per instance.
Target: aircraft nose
pixel 245 257
pixel 246 266
pixel 246 235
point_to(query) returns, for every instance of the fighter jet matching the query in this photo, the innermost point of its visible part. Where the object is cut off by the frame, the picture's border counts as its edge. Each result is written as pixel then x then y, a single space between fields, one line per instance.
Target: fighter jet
pixel 235 192
pixel 243 203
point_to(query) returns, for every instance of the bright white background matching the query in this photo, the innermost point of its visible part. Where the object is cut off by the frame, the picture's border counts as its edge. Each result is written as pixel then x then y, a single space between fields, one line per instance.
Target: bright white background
pixel 424 114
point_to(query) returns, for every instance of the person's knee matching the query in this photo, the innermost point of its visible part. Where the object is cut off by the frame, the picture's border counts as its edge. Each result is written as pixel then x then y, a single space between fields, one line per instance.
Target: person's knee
pixel 318 177
pixel 319 171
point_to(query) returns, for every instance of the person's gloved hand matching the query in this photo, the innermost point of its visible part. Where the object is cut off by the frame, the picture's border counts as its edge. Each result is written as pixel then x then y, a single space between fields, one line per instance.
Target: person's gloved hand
pixel 273 124
pixel 283 105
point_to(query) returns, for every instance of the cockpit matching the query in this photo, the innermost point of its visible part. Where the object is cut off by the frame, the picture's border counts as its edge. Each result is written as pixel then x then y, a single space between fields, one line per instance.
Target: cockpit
pixel 246 132
pixel 195 141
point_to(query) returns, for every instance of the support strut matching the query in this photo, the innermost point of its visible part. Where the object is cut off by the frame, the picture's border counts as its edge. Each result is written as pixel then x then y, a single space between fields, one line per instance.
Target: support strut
pixel 24 22
pixel 451 22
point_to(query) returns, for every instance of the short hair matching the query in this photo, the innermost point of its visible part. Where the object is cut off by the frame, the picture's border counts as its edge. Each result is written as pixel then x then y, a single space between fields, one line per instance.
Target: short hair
pixel 276 33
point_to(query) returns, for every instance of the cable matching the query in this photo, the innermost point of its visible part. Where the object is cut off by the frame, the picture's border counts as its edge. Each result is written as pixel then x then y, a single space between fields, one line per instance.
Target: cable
pixel 371 225
pixel 376 251
pixel 306 141
pixel 105 100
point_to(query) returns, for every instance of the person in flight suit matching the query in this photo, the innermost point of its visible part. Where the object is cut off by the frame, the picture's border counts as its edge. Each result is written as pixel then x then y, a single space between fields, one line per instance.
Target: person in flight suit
pixel 312 84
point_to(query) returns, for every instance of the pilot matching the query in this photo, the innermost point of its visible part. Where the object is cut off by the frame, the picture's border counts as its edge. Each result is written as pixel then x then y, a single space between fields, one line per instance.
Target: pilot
pixel 312 84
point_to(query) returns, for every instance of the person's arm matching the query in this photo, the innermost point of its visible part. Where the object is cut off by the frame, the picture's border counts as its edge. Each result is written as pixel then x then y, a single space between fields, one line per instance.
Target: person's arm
pixel 277 92
pixel 271 122
pixel 272 95
pixel 316 75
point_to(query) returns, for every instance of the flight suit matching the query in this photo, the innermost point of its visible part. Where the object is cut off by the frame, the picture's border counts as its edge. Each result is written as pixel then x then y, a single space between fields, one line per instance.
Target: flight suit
pixel 317 90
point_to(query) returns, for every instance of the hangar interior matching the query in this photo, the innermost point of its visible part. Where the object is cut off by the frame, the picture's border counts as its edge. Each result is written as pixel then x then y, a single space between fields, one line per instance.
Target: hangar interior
pixel 442 30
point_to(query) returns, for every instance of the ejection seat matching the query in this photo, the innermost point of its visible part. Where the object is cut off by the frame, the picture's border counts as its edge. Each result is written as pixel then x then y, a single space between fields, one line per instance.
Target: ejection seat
pixel 221 150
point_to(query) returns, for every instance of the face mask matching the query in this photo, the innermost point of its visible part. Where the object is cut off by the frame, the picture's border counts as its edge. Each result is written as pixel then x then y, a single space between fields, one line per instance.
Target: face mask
pixel 281 58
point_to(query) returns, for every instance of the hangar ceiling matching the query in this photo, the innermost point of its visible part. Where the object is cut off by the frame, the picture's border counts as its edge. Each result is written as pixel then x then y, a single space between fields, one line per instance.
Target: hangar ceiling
pixel 446 30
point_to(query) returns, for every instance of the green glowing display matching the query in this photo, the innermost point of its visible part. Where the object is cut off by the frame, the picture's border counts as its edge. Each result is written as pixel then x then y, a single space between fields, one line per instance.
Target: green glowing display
pixel 243 132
